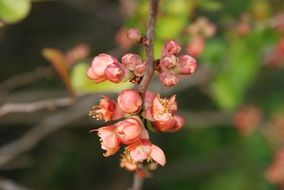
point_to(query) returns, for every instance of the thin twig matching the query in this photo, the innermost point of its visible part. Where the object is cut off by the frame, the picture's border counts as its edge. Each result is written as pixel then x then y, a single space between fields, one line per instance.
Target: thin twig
pixel 24 79
pixel 137 182
pixel 150 59
pixel 154 7
pixel 50 124
pixel 34 106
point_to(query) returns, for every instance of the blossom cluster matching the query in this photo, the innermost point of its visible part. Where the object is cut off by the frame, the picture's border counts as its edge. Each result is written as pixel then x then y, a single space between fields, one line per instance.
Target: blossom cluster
pixel 130 129
pixel 171 65
pixel 129 117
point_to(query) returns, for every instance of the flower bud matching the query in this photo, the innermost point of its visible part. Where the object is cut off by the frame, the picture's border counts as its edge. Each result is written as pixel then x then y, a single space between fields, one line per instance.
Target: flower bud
pixel 186 65
pixel 97 70
pixel 129 101
pixel 134 34
pixel 168 62
pixel 140 69
pixel 115 73
pixel 129 130
pixel 130 61
pixel 109 140
pixel 171 48
pixel 169 78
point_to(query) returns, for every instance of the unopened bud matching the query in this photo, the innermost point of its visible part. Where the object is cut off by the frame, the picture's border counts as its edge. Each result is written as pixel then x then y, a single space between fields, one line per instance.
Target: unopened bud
pixel 169 78
pixel 134 34
pixel 187 65
pixel 171 47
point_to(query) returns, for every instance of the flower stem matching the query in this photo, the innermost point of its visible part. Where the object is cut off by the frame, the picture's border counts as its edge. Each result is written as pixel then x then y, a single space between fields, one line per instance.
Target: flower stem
pixel 150 58
pixel 137 182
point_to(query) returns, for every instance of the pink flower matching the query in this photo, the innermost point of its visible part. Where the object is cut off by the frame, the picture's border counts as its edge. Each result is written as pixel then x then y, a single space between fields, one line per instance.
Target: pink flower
pixel 99 64
pixel 187 65
pixel 163 108
pixel 115 73
pixel 169 78
pixel 172 125
pixel 130 61
pixel 145 150
pixel 109 140
pixel 134 34
pixel 106 110
pixel 129 130
pixel 168 62
pixel 129 101
pixel 171 48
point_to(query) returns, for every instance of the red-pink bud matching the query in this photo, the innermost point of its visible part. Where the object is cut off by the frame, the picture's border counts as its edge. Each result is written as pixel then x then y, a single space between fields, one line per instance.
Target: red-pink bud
pixel 130 61
pixel 171 47
pixel 129 101
pixel 168 62
pixel 129 130
pixel 134 34
pixel 169 78
pixel 97 70
pixel 115 73
pixel 186 65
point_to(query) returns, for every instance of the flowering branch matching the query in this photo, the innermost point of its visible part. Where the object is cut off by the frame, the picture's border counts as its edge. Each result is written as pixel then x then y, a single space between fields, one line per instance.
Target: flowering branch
pixel 136 111
pixel 150 49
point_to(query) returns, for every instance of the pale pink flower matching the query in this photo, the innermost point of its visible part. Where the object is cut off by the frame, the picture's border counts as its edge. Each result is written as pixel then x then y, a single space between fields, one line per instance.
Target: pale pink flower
pixel 186 65
pixel 163 108
pixel 145 150
pixel 109 140
pixel 129 130
pixel 172 125
pixel 134 34
pixel 99 64
pixel 129 101
pixel 171 48
pixel 169 78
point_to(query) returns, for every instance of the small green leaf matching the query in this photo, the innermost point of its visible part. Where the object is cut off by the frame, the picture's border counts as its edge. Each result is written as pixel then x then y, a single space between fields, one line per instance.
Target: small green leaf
pixel 12 11
pixel 82 84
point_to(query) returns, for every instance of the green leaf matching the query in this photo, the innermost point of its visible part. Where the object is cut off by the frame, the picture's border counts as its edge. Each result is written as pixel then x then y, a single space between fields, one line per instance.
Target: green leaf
pixel 242 65
pixel 82 84
pixel 12 11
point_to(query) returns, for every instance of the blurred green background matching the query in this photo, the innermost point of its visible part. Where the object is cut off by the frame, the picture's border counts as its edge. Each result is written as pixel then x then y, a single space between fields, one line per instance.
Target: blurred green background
pixel 233 105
